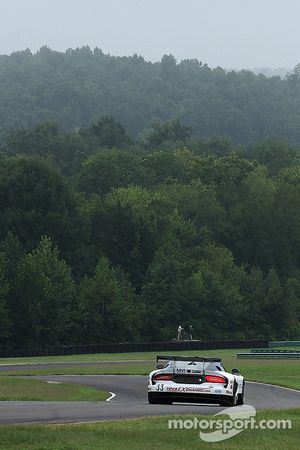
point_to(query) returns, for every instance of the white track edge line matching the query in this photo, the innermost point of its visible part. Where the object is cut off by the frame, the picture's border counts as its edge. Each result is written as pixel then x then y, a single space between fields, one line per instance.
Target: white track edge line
pixel 111 397
pixel 274 385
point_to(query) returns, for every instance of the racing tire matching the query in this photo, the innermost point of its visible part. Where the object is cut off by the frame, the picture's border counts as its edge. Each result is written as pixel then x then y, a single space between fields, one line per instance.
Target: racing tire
pixel 241 397
pixel 158 401
pixel 232 401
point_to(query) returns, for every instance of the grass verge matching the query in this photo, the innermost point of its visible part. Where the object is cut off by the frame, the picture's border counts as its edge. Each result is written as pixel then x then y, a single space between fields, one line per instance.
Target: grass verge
pixel 133 356
pixel 281 372
pixel 147 434
pixel 98 357
pixel 12 388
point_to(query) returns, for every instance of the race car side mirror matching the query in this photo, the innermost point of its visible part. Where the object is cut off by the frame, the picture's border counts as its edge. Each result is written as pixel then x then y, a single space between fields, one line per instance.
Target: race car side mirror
pixel 235 371
pixel 159 366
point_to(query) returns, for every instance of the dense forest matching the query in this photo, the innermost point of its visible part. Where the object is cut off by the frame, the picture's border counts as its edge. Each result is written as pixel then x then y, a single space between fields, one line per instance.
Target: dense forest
pixel 77 87
pixel 106 239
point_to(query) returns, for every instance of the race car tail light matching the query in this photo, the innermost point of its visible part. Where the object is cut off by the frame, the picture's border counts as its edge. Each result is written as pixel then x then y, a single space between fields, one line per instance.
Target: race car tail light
pixel 163 377
pixel 215 379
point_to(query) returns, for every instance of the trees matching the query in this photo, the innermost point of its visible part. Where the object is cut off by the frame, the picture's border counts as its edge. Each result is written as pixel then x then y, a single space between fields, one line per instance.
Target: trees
pixel 285 220
pixel 106 170
pixel 110 311
pixel 221 308
pixel 5 323
pixel 41 298
pixel 251 220
pixel 141 239
pixel 36 200
pixel 293 78
pixel 291 296
pixel 202 290
pixel 126 227
pixel 275 155
pixel 40 140
pixel 77 87
pixel 67 150
pixel 172 130
pixel 107 132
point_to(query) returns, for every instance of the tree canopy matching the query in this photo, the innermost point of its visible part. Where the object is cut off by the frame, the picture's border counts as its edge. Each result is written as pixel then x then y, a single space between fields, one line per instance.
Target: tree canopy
pixel 77 87
pixel 107 239
pixel 135 196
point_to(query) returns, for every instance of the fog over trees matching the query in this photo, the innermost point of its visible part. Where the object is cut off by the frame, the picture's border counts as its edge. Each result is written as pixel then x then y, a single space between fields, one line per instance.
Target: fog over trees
pixel 77 87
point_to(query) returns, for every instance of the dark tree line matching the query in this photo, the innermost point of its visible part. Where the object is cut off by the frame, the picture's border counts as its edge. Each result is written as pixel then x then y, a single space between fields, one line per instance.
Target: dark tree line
pixel 78 86
pixel 103 239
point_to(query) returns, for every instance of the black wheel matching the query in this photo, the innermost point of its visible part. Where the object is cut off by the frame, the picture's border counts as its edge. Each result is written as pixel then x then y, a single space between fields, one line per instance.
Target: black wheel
pixel 234 398
pixel 232 401
pixel 241 397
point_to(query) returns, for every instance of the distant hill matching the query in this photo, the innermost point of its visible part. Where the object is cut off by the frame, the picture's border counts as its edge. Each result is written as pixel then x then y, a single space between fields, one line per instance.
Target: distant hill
pixel 279 72
pixel 77 87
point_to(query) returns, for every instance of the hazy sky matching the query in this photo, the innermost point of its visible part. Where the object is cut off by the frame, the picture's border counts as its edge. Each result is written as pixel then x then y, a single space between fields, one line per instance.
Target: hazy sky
pixel 230 33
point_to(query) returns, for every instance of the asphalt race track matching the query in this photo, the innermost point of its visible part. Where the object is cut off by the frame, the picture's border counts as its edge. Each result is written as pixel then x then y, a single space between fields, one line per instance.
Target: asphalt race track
pixel 129 401
pixel 66 365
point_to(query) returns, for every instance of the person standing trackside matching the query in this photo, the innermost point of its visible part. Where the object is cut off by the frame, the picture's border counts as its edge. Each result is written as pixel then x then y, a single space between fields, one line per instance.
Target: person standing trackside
pixel 179 333
pixel 191 330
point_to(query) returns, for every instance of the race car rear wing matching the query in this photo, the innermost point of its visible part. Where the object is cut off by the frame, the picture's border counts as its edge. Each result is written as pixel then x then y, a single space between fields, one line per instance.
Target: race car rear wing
pixel 188 358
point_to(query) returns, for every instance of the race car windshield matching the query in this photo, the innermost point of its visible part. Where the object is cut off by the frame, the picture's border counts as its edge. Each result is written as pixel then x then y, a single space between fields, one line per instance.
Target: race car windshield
pixel 214 367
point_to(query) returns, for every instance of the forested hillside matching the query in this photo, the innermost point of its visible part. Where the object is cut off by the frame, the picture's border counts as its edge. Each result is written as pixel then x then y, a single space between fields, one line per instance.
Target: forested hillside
pixel 79 86
pixel 103 239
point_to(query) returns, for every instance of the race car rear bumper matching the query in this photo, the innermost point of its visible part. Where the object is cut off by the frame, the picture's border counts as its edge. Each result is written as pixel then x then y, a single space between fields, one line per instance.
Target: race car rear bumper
pixel 192 398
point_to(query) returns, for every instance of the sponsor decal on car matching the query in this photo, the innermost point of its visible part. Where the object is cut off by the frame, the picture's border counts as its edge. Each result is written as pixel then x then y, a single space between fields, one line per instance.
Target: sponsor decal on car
pixel 187 389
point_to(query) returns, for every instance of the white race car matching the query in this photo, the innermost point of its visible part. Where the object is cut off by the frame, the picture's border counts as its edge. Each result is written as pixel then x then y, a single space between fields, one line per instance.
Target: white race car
pixel 195 379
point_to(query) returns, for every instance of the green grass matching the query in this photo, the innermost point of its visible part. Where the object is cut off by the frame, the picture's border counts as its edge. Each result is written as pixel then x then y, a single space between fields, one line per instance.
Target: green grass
pixel 21 389
pixel 103 369
pixel 112 356
pixel 150 433
pixel 281 372
pixel 147 434
pixel 98 357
